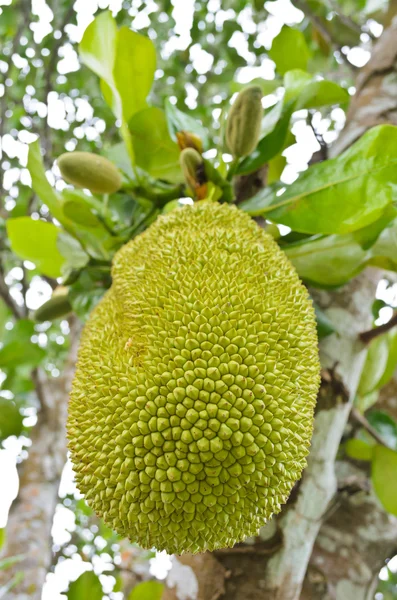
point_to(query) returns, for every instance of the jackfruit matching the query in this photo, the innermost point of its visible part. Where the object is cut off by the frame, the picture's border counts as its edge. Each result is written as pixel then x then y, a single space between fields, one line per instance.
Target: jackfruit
pixel 191 411
pixel 91 171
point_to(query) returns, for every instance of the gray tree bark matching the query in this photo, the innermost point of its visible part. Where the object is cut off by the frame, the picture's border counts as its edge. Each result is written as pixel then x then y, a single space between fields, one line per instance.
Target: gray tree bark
pixel 332 537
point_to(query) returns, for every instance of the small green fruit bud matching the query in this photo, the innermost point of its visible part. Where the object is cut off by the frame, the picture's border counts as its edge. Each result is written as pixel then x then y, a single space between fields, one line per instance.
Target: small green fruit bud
pixel 57 306
pixel 192 166
pixel 244 122
pixel 91 171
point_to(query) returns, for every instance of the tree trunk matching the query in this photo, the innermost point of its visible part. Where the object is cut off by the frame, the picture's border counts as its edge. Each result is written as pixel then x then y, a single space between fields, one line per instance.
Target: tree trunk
pixel 30 520
pixel 329 542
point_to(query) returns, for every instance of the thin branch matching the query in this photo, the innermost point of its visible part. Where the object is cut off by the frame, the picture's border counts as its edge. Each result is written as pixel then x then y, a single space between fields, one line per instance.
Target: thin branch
pixel 6 296
pixel 367 336
pixel 362 421
pixel 348 21
pixel 8 61
pixel 319 25
pixel 51 68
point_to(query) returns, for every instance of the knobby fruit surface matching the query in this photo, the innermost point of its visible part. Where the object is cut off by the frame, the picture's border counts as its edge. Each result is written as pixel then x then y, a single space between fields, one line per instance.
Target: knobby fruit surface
pixel 192 406
pixel 91 171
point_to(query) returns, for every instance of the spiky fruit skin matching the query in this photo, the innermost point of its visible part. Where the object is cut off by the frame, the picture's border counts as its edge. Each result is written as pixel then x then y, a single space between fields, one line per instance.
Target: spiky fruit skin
pixel 91 171
pixel 192 406
pixel 244 120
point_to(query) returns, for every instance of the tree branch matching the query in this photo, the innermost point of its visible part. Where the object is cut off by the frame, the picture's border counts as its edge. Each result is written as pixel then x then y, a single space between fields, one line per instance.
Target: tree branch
pixel 362 421
pixel 367 336
pixel 6 296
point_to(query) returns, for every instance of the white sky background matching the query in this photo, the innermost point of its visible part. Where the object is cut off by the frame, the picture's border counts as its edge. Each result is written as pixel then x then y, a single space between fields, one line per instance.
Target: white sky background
pixel 282 12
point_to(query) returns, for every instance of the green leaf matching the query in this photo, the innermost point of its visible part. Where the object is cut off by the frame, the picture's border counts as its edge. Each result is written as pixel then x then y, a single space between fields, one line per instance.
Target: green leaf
pixel 17 353
pixel 367 236
pixel 385 425
pixel 321 93
pixel 270 145
pixel 126 63
pixel 80 213
pixel 254 206
pixel 328 261
pixel 72 251
pixel 384 477
pixel 324 326
pixel 180 121
pixel 358 449
pixel 289 50
pixel 374 366
pixel 86 586
pixel 148 590
pixel 316 202
pixel 40 183
pixel 3 537
pixel 36 241
pixel 295 82
pixel 155 151
pixel 391 364
pixel 10 419
pixel 364 403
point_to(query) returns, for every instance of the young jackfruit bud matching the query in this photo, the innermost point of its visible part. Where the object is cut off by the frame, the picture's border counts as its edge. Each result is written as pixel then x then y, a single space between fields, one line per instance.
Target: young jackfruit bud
pixel 193 169
pixel 57 306
pixel 186 139
pixel 91 171
pixel 244 122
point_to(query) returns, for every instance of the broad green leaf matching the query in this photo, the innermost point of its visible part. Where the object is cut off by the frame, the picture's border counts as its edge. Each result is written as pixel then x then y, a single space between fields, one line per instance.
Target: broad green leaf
pixel 87 586
pixel 133 71
pixel 18 353
pixel 289 50
pixel 36 241
pixel 367 236
pixel 3 535
pixel 295 82
pixel 321 93
pixel 40 183
pixel 276 168
pixel 148 590
pixel 270 145
pixel 391 359
pixel 80 213
pixel 317 201
pixel 358 449
pixel 255 205
pixel 328 261
pixel 72 251
pixel 374 366
pixel 180 121
pixel 364 403
pixel 10 418
pixel 98 46
pixel 84 296
pixel 324 326
pixel 384 477
pixel 126 63
pixel 385 425
pixel 155 151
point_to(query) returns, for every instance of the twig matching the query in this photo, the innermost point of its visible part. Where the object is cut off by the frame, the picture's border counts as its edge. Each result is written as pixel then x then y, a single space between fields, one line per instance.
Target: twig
pixel 362 421
pixel 50 72
pixel 4 99
pixel 6 296
pixel 348 21
pixel 367 336
pixel 319 25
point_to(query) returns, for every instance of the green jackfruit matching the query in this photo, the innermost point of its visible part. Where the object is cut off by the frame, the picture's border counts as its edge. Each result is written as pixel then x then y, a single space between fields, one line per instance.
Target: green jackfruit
pixel 244 120
pixel 192 406
pixel 91 171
